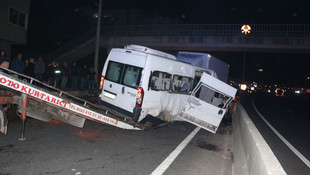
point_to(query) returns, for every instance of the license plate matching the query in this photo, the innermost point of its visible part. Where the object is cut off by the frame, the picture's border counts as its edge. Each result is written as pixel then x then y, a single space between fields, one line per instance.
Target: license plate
pixel 109 95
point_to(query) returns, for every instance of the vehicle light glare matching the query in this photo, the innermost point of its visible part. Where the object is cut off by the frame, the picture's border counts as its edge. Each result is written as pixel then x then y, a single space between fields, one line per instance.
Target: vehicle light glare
pixel 243 87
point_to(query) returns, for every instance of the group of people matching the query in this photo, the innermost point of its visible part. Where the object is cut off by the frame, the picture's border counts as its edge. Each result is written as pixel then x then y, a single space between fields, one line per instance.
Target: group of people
pixel 55 74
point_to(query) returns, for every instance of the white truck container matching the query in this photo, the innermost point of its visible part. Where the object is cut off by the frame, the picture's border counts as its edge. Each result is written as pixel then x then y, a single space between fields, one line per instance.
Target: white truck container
pixel 139 82
pixel 206 61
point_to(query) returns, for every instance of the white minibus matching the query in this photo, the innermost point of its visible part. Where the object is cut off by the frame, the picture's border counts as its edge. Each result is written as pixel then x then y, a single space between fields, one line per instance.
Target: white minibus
pixel 139 81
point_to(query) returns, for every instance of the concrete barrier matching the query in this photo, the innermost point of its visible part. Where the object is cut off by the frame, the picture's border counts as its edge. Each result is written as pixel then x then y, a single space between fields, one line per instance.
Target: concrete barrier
pixel 252 155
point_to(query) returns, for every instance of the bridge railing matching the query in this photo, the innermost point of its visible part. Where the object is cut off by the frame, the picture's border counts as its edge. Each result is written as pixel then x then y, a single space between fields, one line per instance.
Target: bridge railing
pixel 257 30
pixel 264 30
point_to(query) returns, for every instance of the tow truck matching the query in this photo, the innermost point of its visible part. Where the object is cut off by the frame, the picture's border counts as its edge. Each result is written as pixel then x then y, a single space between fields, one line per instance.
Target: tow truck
pixel 38 100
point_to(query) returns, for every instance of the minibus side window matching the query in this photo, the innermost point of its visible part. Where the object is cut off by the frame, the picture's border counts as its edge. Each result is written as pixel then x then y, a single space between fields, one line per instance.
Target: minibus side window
pixel 181 84
pixel 114 71
pixel 160 81
pixel 132 76
pixel 211 96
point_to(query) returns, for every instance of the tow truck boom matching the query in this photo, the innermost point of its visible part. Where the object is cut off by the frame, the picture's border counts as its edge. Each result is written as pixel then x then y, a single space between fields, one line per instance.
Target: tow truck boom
pixel 43 102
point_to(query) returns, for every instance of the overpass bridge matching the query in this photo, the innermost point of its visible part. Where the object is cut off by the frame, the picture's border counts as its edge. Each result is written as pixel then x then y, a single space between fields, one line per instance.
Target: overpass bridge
pixel 294 38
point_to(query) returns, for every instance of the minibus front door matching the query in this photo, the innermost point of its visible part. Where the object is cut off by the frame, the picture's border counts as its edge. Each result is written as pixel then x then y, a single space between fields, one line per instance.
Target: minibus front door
pixel 203 107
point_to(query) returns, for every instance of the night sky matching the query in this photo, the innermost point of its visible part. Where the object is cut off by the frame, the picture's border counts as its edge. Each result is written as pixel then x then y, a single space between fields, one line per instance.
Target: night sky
pixel 53 23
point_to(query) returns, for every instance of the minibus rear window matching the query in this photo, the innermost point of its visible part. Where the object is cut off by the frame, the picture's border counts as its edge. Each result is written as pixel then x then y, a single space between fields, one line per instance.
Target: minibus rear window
pixel 132 76
pixel 124 74
pixel 114 71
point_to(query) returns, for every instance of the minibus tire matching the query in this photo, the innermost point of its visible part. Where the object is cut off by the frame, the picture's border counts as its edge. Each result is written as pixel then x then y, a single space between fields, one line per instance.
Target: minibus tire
pixel 136 114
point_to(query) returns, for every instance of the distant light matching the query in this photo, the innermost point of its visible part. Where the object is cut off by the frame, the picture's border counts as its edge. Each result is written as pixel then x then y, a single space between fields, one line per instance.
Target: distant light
pixel 95 15
pixel 308 78
pixel 252 88
pixel 297 92
pixel 57 71
pixel 269 90
pixel 260 70
pixel 243 87
pixel 246 29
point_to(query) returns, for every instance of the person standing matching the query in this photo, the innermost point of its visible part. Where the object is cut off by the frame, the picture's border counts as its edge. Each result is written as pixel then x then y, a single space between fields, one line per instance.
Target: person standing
pixel 3 55
pixel 57 73
pixel 64 77
pixel 83 75
pixel 17 64
pixel 39 69
pixel 74 73
pixel 29 71
pixel 49 73
pixel 91 77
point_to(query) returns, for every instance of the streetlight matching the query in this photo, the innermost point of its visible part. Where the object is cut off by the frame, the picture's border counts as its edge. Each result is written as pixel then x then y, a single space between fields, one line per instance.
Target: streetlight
pixel 246 29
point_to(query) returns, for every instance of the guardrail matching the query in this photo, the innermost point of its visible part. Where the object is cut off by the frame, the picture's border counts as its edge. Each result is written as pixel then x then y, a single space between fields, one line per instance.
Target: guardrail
pixel 252 155
pixel 257 30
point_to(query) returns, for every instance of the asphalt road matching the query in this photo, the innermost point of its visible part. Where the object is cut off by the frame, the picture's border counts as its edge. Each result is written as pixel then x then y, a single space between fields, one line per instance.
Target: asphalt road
pixel 58 148
pixel 290 116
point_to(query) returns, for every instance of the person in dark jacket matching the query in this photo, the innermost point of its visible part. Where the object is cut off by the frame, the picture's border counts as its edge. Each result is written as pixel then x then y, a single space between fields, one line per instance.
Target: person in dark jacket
pixel 83 76
pixel 57 73
pixel 91 77
pixel 74 73
pixel 64 77
pixel 49 73
pixel 39 69
pixel 3 55
pixel 17 64
pixel 30 68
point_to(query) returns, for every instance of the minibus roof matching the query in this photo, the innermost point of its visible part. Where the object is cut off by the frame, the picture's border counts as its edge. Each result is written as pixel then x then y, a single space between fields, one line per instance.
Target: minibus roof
pixel 149 51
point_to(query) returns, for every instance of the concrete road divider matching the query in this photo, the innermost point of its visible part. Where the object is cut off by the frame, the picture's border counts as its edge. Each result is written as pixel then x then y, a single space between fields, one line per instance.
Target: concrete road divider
pixel 252 155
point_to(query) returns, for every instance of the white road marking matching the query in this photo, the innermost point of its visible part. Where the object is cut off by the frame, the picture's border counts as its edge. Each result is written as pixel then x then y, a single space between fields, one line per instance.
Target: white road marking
pixel 174 154
pixel 297 153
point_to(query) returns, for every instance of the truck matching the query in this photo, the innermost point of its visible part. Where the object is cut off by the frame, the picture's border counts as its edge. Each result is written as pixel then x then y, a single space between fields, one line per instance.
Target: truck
pixel 206 61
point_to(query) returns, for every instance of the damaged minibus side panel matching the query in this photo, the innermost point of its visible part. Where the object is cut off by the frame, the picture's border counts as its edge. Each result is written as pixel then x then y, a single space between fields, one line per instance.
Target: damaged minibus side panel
pixel 167 84
pixel 207 104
